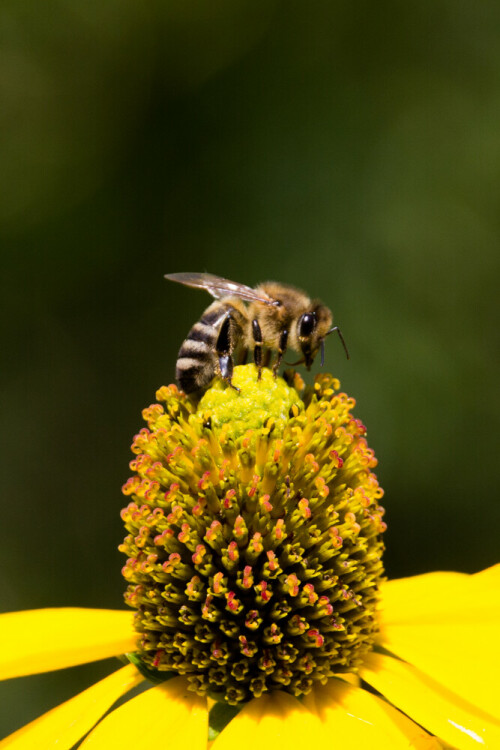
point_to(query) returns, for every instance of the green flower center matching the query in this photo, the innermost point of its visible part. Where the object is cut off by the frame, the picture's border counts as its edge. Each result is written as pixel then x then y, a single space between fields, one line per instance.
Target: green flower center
pixel 254 537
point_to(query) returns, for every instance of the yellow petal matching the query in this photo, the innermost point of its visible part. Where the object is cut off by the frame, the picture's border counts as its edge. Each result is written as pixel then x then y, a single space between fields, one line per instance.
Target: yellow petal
pixel 352 679
pixel 273 722
pixel 447 625
pixel 164 716
pixel 463 658
pixel 356 719
pixel 491 576
pixel 441 712
pixel 40 640
pixel 458 657
pixel 63 726
pixel 435 597
pixel 404 598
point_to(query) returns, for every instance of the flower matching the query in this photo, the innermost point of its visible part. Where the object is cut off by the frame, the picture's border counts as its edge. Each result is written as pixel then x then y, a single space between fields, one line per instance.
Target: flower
pixel 262 615
pixel 254 546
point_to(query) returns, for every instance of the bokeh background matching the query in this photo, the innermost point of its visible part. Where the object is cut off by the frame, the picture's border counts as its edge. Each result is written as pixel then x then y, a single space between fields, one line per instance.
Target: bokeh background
pixel 350 149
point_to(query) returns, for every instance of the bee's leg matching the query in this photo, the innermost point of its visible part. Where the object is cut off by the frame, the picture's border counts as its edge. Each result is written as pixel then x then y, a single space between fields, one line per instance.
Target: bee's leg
pixel 257 350
pixel 223 348
pixel 226 369
pixel 281 350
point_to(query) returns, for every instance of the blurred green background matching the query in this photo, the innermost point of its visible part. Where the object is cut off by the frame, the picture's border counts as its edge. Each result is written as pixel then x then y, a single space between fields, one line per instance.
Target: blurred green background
pixel 350 149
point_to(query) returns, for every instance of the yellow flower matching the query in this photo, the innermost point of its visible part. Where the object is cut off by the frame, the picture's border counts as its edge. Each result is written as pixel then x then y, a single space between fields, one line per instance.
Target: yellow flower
pixel 262 616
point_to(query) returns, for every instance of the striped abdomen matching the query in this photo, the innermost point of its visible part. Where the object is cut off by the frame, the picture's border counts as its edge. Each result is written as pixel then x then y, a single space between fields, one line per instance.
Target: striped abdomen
pixel 197 361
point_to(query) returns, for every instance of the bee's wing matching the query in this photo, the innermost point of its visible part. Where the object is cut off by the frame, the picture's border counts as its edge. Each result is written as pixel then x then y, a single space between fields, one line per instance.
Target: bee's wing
pixel 219 287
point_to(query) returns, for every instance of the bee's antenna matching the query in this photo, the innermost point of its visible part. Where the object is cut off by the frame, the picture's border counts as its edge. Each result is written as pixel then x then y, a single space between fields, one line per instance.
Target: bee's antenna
pixel 337 329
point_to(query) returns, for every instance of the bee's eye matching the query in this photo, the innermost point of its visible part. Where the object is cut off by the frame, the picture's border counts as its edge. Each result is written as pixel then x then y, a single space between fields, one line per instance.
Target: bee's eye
pixel 307 323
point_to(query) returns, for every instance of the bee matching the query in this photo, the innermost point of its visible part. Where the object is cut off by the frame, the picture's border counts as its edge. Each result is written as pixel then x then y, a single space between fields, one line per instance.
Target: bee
pixel 273 316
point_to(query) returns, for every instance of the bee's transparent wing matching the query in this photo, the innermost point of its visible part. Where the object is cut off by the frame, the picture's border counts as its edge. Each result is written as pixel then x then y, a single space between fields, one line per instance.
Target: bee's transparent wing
pixel 219 287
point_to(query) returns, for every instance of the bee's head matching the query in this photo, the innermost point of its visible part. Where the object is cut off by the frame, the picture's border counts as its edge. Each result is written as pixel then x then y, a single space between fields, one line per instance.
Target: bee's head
pixel 312 327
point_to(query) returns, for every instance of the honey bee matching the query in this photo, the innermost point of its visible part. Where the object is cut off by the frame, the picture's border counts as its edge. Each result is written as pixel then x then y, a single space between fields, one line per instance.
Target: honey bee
pixel 272 315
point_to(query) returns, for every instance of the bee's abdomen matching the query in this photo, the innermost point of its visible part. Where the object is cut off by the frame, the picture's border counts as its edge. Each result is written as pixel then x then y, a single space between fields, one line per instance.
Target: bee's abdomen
pixel 196 361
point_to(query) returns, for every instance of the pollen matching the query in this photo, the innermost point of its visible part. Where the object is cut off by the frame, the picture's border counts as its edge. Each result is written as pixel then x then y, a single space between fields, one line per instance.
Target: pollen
pixel 254 537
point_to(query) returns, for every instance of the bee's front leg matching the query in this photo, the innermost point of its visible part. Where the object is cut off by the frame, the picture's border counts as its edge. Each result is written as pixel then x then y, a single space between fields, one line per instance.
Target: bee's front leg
pixel 224 348
pixel 257 350
pixel 281 350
